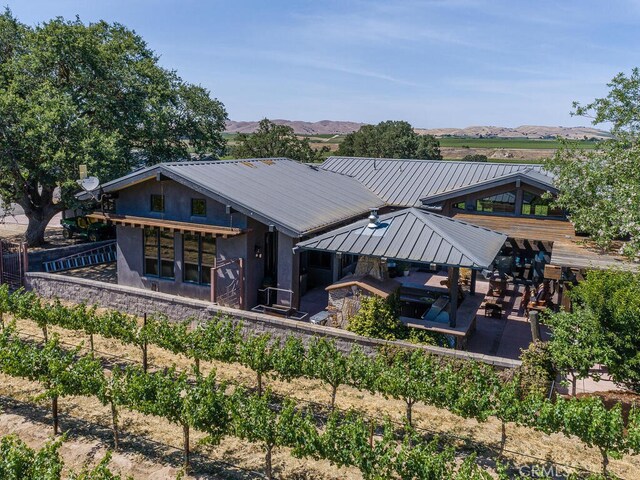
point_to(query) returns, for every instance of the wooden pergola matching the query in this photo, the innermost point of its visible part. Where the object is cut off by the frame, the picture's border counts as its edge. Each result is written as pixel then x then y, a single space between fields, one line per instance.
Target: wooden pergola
pixel 170 225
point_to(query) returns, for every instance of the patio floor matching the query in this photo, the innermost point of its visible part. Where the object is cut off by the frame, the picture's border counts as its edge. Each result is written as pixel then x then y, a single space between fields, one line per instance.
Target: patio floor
pixel 501 337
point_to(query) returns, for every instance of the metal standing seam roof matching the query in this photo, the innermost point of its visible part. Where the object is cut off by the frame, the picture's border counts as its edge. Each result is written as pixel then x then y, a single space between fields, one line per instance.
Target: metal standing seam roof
pixel 416 236
pixel 405 182
pixel 297 198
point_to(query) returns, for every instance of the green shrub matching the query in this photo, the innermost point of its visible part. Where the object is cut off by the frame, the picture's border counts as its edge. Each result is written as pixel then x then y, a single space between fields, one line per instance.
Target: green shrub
pixel 376 318
pixel 537 370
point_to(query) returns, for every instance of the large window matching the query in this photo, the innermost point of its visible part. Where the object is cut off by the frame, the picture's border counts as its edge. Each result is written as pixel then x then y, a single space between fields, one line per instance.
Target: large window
pixel 159 255
pixel 157 203
pixel 198 207
pixel 501 203
pixel 533 204
pixel 199 253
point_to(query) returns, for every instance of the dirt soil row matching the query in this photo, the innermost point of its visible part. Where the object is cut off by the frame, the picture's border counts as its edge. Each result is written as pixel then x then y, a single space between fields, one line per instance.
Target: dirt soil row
pixel 522 443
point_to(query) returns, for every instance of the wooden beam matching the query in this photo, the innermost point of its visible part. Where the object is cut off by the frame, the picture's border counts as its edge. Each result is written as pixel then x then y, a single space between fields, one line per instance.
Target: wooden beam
pixel 171 225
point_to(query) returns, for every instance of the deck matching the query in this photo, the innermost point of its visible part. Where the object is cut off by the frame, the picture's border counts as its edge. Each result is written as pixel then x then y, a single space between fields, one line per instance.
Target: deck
pixel 568 249
pixel 524 228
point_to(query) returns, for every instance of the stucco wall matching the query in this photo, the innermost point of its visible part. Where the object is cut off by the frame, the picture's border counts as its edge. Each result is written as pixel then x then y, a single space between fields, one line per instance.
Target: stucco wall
pixel 138 301
pixel 136 200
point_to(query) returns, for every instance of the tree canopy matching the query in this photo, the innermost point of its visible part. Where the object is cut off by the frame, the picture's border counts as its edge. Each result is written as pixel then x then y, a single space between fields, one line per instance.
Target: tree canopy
pixel 601 188
pixel 390 139
pixel 602 328
pixel 73 93
pixel 273 140
pixel 475 157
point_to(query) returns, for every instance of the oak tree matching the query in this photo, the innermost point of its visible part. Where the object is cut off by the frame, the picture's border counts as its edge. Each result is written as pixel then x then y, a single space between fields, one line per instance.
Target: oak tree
pixel 73 93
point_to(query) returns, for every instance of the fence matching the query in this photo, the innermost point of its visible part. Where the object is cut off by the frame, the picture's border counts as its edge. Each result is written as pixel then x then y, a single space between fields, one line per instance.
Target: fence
pixel 14 263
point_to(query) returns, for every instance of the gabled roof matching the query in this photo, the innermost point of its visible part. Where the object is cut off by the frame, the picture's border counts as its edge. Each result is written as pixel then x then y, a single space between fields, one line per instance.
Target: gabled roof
pixel 416 236
pixel 404 183
pixel 527 176
pixel 298 199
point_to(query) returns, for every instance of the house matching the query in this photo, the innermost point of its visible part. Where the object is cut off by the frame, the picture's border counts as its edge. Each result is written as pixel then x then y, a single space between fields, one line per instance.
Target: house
pixel 225 230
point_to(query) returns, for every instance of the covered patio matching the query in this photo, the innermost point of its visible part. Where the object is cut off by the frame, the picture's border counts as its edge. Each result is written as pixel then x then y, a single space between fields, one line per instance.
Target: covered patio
pixel 423 241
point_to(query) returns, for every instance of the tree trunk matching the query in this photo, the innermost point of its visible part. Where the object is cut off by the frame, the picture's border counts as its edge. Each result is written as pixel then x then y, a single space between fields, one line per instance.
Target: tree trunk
pixel 91 341
pixel 114 421
pixel 503 440
pixel 54 410
pixel 37 202
pixel 268 467
pixel 259 383
pixel 334 391
pixel 409 412
pixel 605 463
pixel 45 333
pixel 574 384
pixel 37 224
pixel 1 314
pixel 185 436
pixel 197 365
pixel 145 360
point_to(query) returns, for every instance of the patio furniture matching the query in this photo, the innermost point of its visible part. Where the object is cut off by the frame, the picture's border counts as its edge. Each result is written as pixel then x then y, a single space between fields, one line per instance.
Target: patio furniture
pixel 493 309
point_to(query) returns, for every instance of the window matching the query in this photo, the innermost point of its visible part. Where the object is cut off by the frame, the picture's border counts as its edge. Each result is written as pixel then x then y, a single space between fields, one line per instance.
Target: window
pixel 151 252
pixel 533 204
pixel 199 253
pixel 501 203
pixel 460 205
pixel 159 255
pixel 320 260
pixel 157 203
pixel 198 207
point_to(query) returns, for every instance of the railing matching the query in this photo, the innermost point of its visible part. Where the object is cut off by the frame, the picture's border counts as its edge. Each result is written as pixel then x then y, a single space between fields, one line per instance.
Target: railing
pixel 95 256
pixel 14 263
pixel 284 309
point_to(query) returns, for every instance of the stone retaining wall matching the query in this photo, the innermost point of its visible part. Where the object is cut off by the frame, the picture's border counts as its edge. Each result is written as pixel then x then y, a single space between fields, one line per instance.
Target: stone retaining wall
pixel 138 301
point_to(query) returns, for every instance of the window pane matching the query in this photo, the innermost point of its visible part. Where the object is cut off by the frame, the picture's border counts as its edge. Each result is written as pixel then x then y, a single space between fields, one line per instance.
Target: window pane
pixel 190 257
pixel 166 254
pixel 198 207
pixel 150 251
pixel 151 266
pixel 501 203
pixel 157 203
pixel 208 256
pixel 533 204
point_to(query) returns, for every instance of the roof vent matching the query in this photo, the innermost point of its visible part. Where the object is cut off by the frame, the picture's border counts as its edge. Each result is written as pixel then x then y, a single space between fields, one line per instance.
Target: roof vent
pixel 374 220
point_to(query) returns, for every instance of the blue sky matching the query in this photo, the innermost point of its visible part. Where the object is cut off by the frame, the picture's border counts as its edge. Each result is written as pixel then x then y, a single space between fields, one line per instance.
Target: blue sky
pixel 452 63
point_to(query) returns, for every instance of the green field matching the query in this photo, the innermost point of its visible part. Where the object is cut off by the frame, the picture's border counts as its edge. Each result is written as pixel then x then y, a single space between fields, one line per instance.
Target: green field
pixel 461 142
pixel 519 143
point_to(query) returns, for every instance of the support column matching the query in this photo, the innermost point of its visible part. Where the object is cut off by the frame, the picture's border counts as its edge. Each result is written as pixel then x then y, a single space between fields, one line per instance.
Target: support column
pixel 472 287
pixel 519 199
pixel 336 266
pixel 454 276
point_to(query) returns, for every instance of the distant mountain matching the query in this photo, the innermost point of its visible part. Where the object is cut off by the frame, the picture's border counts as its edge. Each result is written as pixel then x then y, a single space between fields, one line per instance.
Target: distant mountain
pixel 524 131
pixel 323 127
pixel 332 127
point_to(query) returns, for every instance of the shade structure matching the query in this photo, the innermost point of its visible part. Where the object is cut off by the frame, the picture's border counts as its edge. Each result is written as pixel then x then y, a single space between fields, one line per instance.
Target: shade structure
pixel 414 235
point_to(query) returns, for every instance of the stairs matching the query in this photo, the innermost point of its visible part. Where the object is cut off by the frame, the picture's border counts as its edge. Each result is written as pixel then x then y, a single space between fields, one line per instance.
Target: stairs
pixel 95 256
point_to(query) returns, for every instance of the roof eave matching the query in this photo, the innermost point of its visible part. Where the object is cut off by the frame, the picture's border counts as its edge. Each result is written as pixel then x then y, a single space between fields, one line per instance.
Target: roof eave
pixel 478 187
